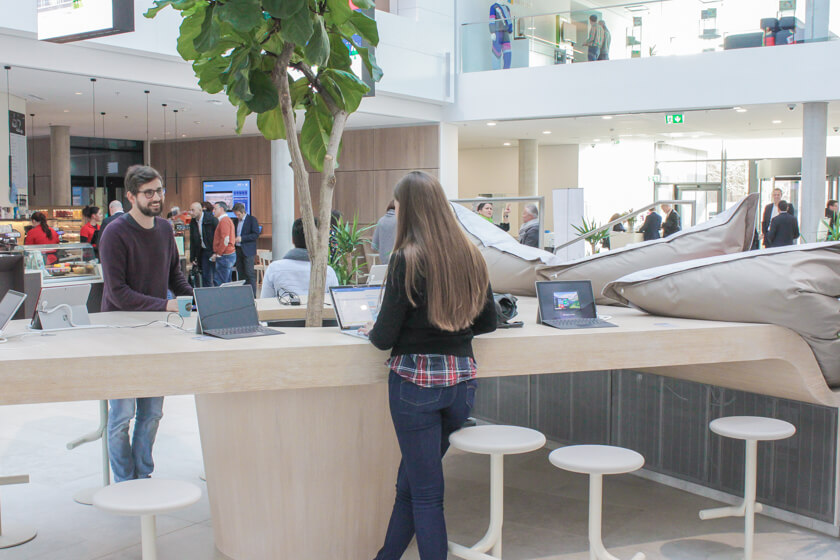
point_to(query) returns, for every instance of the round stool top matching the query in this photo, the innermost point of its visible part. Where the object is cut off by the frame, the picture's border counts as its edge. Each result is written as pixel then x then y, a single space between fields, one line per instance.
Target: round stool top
pixel 504 440
pixel 752 427
pixel 146 496
pixel 596 459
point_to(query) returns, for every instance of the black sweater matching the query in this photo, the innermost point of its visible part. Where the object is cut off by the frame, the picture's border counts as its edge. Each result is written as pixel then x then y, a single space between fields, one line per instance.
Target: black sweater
pixel 406 329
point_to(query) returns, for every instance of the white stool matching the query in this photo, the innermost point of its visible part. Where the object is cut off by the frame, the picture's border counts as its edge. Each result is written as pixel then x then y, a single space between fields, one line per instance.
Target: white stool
pixel 752 429
pixel 11 534
pixel 146 497
pixel 596 461
pixel 496 441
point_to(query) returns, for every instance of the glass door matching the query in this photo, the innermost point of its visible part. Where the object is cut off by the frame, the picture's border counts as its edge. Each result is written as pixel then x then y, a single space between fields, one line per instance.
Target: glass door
pixel 708 203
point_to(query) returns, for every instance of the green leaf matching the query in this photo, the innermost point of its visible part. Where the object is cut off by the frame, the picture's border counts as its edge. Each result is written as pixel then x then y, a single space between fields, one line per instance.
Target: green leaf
pixel 274 44
pixel 159 5
pixel 189 30
pixel 282 9
pixel 366 27
pixel 298 90
pixel 364 4
pixel 351 87
pixel 315 134
pixel 209 71
pixel 242 112
pixel 298 27
pixel 208 36
pixel 271 124
pixel 318 48
pixel 265 93
pixel 243 15
pixel 339 53
pixel 369 60
pixel 339 10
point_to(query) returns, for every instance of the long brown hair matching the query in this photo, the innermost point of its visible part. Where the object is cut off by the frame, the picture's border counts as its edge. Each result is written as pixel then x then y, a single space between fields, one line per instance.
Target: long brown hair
pixel 437 251
pixel 42 221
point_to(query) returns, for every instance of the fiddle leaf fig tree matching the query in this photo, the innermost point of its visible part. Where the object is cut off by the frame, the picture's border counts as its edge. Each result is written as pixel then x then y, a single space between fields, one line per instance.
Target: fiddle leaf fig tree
pixel 278 59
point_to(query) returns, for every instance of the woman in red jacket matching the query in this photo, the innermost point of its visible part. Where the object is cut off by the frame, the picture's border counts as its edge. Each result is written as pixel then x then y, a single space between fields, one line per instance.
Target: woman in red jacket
pixel 42 234
pixel 90 231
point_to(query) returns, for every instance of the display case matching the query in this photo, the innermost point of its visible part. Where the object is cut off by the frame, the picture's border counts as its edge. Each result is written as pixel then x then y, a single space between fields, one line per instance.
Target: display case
pixel 65 220
pixel 65 263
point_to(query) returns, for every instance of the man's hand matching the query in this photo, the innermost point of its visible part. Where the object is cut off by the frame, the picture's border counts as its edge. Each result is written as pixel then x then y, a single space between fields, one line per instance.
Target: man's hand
pixel 238 239
pixel 172 305
pixel 506 212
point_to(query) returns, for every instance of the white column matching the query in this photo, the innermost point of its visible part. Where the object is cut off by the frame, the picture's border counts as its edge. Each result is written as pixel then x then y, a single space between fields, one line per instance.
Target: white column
pixel 60 165
pixel 528 167
pixel 282 199
pixel 816 19
pixel 813 196
pixel 448 158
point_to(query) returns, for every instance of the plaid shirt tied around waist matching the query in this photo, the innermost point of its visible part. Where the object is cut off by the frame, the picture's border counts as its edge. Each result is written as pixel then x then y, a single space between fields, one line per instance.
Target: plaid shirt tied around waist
pixel 433 370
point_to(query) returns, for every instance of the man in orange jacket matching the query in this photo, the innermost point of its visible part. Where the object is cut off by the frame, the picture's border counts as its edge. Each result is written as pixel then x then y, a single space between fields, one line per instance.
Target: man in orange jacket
pixel 224 245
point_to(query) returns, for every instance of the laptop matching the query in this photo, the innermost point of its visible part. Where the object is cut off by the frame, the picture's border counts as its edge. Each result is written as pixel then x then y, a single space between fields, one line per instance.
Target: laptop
pixel 232 283
pixel 377 275
pixel 9 305
pixel 63 307
pixel 568 305
pixel 355 306
pixel 229 313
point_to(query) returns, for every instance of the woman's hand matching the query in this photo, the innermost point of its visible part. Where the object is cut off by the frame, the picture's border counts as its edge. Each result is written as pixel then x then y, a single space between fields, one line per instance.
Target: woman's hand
pixel 365 330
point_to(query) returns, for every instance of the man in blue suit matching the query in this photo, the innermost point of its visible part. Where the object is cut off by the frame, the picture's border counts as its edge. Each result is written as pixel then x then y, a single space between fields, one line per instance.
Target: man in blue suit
pixel 784 229
pixel 651 227
pixel 247 231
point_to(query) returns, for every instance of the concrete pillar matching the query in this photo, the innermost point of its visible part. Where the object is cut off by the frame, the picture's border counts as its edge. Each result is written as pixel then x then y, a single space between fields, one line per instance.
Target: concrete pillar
pixel 448 159
pixel 282 199
pixel 816 20
pixel 813 196
pixel 60 165
pixel 528 167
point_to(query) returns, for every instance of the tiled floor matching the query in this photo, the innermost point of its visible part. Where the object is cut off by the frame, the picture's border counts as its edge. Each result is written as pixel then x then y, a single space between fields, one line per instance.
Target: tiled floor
pixel 545 509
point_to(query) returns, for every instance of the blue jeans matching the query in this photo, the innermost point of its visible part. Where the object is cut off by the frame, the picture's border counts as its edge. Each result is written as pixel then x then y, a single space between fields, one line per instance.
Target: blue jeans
pixel 224 267
pixel 133 460
pixel 593 54
pixel 208 268
pixel 423 419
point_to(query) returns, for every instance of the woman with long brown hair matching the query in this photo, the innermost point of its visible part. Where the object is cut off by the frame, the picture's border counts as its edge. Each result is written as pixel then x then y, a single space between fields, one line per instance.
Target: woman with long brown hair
pixel 437 297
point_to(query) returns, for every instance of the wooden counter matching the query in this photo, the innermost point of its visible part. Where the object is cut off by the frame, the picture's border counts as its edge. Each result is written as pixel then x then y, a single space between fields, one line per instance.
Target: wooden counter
pixel 298 445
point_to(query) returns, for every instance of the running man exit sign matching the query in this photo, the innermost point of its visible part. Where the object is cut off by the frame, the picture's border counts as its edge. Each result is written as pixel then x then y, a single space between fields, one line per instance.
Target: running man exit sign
pixel 674 119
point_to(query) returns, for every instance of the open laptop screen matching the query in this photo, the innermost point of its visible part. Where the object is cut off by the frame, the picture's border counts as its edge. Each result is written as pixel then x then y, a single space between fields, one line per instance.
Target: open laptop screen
pixel 8 305
pixel 355 305
pixel 222 308
pixel 566 300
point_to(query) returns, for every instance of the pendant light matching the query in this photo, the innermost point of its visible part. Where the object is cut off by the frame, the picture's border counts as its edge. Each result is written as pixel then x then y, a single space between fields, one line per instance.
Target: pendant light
pixel 177 150
pixel 9 135
pixel 165 152
pixel 34 153
pixel 93 120
pixel 147 149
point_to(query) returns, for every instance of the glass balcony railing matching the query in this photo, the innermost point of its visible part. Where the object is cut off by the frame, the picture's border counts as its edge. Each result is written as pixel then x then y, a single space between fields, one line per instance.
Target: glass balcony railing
pixel 633 30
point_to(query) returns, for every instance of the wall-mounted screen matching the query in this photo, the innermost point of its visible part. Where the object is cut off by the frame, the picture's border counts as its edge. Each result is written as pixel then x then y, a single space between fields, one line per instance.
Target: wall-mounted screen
pixel 229 192
pixel 64 21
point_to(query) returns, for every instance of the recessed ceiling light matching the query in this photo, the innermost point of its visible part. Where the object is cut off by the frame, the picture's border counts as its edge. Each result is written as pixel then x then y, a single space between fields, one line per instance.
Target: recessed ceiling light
pixel 597 140
pixel 183 136
pixel 197 122
pixel 66 110
pixel 740 110
pixel 607 117
pixel 777 122
pixel 215 101
pixel 546 132
pixel 506 144
pixel 78 93
pixel 491 123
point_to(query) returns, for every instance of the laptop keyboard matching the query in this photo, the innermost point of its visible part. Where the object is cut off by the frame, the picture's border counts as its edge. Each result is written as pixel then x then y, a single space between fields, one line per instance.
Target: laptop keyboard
pixel 577 323
pixel 234 331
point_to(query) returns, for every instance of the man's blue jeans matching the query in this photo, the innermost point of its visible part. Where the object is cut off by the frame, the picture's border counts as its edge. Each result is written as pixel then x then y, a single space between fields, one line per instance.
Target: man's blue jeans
pixel 133 460
pixel 423 419
pixel 593 54
pixel 208 268
pixel 224 267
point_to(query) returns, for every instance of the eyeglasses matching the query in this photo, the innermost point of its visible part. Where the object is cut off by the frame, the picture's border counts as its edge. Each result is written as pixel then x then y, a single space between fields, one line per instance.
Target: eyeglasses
pixel 150 193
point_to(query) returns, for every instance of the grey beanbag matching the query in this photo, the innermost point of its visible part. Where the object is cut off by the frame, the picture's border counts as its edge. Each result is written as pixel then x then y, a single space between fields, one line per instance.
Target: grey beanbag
pixel 795 287
pixel 731 231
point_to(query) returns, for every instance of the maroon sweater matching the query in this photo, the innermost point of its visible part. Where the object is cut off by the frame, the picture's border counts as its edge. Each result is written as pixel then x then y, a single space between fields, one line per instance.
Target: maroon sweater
pixel 138 265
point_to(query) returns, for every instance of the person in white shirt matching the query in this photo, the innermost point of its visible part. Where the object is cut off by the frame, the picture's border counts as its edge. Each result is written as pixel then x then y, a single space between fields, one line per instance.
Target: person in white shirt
pixel 291 273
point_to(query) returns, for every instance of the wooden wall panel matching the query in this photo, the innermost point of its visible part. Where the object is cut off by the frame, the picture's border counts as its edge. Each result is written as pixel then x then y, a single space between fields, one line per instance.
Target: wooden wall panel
pixel 357 148
pixel 413 147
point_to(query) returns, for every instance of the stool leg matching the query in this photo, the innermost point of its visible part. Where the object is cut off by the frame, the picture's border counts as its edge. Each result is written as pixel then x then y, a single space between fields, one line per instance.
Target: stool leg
pixel 492 539
pixel 596 546
pixel 148 537
pixel 750 468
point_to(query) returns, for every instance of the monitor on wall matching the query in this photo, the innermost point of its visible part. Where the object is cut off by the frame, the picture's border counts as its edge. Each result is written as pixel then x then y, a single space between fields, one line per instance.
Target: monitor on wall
pixel 64 21
pixel 228 191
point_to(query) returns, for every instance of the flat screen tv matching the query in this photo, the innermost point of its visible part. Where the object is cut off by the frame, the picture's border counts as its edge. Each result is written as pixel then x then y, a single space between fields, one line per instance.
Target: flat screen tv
pixel 228 191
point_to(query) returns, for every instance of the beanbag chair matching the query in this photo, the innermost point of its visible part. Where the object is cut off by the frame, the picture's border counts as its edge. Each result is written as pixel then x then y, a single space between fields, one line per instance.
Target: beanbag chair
pixel 795 287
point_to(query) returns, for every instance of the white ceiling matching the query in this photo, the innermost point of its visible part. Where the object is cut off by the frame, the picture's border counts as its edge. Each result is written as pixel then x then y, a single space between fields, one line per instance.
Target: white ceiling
pixel 755 122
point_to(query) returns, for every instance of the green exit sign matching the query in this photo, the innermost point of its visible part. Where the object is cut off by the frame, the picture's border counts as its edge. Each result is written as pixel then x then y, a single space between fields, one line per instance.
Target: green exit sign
pixel 674 119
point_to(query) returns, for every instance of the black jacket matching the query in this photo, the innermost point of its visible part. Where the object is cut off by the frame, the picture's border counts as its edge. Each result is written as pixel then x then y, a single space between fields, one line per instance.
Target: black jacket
pixel 651 227
pixel 784 230
pixel 110 219
pixel 250 234
pixel 672 224
pixel 765 220
pixel 209 223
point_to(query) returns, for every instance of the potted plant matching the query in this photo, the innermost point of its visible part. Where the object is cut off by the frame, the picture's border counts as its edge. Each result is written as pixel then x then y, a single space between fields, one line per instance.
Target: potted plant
pixel 347 239
pixel 593 240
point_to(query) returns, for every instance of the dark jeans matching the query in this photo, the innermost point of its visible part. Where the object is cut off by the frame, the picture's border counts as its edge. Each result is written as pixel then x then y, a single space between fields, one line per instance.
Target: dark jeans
pixel 593 54
pixel 208 268
pixel 245 269
pixel 423 419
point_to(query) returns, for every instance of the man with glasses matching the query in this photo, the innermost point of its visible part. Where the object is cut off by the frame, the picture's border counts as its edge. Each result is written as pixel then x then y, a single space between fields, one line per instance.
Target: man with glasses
pixel 139 263
pixel 224 250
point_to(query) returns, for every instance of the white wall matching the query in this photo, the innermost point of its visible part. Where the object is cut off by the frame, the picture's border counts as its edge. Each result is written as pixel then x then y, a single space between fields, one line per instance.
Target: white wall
pixel 496 171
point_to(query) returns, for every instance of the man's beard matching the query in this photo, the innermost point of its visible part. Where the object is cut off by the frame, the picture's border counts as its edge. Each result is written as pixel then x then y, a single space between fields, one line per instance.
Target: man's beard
pixel 147 210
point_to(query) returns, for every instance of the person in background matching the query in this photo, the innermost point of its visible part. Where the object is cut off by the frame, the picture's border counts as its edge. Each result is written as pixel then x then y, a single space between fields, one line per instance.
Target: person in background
pixel 605 45
pixel 41 233
pixel 202 231
pixel 291 273
pixel 115 210
pixel 771 211
pixel 139 264
pixel 90 231
pixel 831 220
pixel 224 250
pixel 529 233
pixel 174 216
pixel 384 234
pixel 437 297
pixel 617 227
pixel 784 229
pixel 485 210
pixel 671 225
pixel 650 228
pixel 247 233
pixel 595 39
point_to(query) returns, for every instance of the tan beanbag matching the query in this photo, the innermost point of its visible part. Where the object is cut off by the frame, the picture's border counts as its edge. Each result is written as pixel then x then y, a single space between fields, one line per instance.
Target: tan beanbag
pixel 795 287
pixel 729 232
